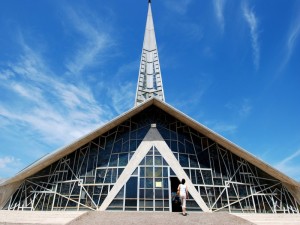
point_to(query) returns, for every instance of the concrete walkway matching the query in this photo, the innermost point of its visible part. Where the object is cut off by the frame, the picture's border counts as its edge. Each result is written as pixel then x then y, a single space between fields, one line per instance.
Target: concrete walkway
pixel 142 218
pixel 38 217
pixel 271 219
pixel 157 218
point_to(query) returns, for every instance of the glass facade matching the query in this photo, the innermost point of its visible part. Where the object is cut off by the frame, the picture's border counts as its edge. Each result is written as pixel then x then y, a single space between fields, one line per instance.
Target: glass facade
pixel 83 179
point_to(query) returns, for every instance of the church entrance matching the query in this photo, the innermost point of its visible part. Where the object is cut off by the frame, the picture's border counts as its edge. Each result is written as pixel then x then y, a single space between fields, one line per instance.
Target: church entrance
pixel 176 203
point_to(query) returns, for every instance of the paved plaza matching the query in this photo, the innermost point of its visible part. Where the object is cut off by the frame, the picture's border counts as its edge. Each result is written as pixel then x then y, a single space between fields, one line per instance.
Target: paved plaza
pixel 144 218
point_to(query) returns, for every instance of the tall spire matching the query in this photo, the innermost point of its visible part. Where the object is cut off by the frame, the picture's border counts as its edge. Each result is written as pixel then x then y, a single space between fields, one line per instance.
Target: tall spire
pixel 149 82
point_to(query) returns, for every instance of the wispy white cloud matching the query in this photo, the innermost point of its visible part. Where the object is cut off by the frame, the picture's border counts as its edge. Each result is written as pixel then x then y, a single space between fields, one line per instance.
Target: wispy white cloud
pixel 178 6
pixel 219 12
pixel 122 96
pixel 292 38
pixel 252 21
pixel 49 106
pixel 290 165
pixel 9 164
pixel 96 39
pixel 242 109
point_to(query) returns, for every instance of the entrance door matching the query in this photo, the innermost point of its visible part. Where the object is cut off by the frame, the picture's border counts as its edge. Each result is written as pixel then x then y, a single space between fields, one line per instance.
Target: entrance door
pixel 176 204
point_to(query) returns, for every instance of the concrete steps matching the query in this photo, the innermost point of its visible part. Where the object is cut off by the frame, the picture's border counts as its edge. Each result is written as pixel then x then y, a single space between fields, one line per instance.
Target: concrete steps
pixel 38 217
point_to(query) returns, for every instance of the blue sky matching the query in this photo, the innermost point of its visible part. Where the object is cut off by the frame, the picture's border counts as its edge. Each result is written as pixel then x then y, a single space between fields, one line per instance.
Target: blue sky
pixel 67 67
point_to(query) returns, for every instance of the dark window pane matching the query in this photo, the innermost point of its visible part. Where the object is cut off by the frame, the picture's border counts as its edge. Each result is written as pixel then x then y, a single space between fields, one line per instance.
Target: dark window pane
pixel 149 183
pixel 158 193
pixel 131 188
pixel 142 182
pixel 130 202
pixel 123 159
pixel 149 193
pixel 113 160
pixel 142 171
pixel 165 171
pixel 184 160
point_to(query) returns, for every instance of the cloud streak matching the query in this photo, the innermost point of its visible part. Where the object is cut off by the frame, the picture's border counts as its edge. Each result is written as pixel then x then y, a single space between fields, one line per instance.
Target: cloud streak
pixel 289 165
pixel 219 12
pixel 96 40
pixel 252 22
pixel 292 38
pixel 180 6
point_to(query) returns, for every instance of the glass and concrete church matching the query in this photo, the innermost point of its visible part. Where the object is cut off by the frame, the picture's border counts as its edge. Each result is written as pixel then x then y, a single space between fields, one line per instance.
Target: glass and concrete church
pixel 135 161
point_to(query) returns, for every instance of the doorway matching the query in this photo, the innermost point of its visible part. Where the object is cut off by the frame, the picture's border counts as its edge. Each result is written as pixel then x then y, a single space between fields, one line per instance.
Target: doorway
pixel 176 203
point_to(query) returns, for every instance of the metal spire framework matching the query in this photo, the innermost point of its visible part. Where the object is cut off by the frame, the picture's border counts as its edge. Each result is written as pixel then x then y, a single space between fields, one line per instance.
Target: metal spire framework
pixel 150 81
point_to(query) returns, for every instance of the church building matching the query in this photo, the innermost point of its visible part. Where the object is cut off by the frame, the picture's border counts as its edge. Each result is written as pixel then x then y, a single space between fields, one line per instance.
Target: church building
pixel 135 162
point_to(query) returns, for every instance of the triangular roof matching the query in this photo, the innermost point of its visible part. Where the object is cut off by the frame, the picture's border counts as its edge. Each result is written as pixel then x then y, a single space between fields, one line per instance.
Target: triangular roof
pixel 56 155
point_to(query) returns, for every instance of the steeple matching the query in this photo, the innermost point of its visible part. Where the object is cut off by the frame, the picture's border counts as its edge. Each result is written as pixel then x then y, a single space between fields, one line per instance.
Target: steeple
pixel 150 81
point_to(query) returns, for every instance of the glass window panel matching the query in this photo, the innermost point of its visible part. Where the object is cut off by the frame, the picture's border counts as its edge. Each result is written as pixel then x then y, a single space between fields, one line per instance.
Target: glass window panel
pixel 131 188
pixel 116 203
pixel 105 189
pixel 150 152
pixel 158 171
pixel 142 182
pixel 174 146
pixel 193 176
pixel 159 203
pixel 135 172
pixel 114 175
pixel 120 170
pixel 117 146
pixel 166 203
pixel 142 203
pixel 149 160
pixel 156 152
pixel 164 162
pixel 121 193
pixel 130 202
pixel 193 161
pixel 207 176
pixel 189 147
pixel 123 159
pixel 199 177
pixel 148 203
pixel 165 183
pixel 133 145
pixel 108 176
pixel 125 146
pixel 142 171
pixel 184 160
pixel 171 172
pixel 149 171
pixel 165 171
pixel 149 183
pixel 142 193
pixel 113 160
pixel 158 193
pixel 149 193
pixel 158 160
pixel 143 161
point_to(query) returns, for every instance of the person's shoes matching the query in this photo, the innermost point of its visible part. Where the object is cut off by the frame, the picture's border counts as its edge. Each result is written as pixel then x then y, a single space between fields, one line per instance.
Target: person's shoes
pixel 184 214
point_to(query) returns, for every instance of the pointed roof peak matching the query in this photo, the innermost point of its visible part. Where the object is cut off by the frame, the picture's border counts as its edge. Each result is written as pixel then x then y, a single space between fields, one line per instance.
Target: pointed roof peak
pixel 149 81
